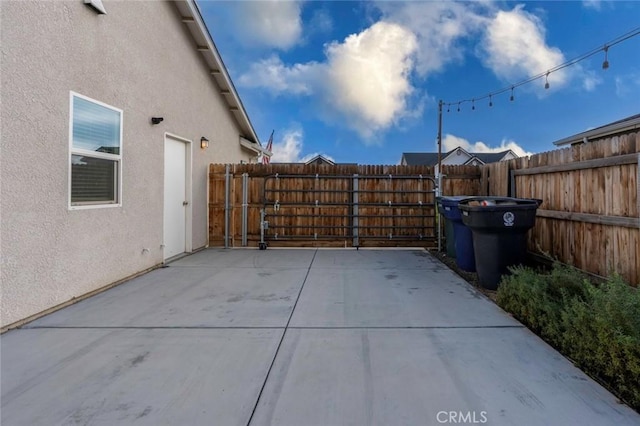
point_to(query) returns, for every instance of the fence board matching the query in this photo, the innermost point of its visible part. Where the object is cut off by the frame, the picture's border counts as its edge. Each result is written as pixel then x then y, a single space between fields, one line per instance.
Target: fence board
pixel 590 215
pixel 315 204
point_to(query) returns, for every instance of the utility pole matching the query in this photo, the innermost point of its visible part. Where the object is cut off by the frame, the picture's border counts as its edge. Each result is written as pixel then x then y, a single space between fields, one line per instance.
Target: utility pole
pixel 440 103
pixel 439 177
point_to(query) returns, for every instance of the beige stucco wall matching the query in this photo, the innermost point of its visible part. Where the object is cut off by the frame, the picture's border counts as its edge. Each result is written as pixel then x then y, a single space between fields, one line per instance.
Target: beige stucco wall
pixel 139 58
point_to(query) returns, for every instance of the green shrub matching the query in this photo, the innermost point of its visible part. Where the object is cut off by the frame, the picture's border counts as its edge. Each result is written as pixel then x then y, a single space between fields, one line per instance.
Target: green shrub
pixel 602 334
pixel 598 326
pixel 537 298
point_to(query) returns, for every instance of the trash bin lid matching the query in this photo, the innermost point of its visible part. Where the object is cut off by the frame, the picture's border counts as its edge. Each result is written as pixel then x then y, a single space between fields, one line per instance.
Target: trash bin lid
pixel 487 204
pixel 449 206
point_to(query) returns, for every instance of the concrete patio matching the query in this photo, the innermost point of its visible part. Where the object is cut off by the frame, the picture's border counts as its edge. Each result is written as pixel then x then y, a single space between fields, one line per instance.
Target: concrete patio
pixel 293 337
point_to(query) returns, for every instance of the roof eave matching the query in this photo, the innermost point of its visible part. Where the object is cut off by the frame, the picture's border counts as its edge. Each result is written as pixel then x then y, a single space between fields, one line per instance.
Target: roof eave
pixel 191 16
pixel 254 147
pixel 600 132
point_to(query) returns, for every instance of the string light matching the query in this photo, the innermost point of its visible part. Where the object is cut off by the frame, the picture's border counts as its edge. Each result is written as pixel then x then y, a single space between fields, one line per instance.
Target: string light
pixel 545 75
pixel 546 81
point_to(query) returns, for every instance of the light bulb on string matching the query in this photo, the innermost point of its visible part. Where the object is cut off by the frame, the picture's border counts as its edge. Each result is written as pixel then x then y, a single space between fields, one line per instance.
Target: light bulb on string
pixel 546 81
pixel 605 64
pixel 547 84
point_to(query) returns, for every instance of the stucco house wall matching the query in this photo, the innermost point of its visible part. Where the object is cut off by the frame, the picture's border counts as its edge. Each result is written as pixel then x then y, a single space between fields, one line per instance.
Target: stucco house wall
pixel 139 58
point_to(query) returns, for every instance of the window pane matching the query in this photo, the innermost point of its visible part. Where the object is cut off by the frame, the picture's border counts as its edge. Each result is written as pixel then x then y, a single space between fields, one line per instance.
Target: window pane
pixel 93 180
pixel 95 128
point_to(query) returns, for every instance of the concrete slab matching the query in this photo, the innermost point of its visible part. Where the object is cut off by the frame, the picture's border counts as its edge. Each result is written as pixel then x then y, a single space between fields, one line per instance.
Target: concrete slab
pixel 190 297
pixel 423 377
pixel 122 377
pixel 376 259
pixel 393 296
pixel 249 258
pixel 388 337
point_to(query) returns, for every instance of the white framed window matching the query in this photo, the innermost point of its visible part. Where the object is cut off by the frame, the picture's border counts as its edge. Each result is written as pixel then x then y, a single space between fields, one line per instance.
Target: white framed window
pixel 95 153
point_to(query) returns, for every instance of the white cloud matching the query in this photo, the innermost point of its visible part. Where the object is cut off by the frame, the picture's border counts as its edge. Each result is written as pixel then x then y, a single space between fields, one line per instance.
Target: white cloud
pixel 365 78
pixel 592 4
pixel 438 27
pixel 272 74
pixel 450 142
pixel 321 22
pixel 515 47
pixel 368 76
pixel 289 149
pixel 627 84
pixel 271 23
pixel 590 80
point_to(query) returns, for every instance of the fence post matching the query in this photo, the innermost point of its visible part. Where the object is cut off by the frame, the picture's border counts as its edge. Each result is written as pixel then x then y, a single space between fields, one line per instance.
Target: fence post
pixel 227 201
pixel 435 208
pixel 354 212
pixel 245 205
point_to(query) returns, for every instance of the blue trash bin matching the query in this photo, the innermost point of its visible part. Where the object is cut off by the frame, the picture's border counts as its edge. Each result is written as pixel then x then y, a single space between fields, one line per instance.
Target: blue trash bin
pixel 465 258
pixel 448 231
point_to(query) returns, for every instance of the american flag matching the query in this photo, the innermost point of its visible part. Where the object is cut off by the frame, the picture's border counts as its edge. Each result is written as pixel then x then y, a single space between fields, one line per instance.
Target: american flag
pixel 266 158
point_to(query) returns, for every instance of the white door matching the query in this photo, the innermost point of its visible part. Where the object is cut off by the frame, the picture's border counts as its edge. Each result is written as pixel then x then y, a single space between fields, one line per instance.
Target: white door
pixel 175 197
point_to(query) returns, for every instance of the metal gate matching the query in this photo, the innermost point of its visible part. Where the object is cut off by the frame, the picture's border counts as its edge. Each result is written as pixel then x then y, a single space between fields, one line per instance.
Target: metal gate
pixel 354 210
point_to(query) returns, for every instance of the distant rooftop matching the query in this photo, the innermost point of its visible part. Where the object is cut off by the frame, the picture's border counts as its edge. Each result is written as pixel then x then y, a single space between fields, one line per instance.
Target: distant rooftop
pixel 431 158
pixel 421 158
pixel 610 129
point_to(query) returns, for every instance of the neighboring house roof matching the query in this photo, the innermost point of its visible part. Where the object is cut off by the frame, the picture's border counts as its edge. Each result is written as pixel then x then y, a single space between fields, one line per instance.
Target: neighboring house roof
pixel 620 126
pixel 491 157
pixel 321 159
pixel 431 158
pixel 203 42
pixel 420 158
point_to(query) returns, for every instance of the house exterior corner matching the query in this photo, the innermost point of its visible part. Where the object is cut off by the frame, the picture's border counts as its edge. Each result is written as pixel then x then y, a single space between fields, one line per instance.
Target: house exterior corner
pixel 137 62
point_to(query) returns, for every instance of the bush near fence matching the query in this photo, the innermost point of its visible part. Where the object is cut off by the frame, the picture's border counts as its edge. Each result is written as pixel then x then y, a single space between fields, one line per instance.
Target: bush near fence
pixel 597 326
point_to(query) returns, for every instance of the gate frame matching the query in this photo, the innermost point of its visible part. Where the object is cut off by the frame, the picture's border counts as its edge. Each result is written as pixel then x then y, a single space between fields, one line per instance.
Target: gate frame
pixel 354 204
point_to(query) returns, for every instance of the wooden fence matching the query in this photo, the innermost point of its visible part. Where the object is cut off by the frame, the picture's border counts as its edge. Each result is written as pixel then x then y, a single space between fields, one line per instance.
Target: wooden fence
pixel 408 220
pixel 589 217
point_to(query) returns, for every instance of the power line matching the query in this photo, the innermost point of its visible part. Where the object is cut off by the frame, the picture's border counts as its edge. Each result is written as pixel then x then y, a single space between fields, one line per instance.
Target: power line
pixel 510 88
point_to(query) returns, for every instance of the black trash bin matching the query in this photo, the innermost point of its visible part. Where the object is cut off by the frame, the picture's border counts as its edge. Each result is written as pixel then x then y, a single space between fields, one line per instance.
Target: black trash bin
pixel 499 226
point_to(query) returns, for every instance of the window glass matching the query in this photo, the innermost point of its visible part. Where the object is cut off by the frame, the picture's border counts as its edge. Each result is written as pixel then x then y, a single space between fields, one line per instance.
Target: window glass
pixel 96 148
pixel 93 180
pixel 95 127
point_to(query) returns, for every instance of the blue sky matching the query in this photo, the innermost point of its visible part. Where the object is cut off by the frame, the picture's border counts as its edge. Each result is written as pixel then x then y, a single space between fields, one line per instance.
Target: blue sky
pixel 360 81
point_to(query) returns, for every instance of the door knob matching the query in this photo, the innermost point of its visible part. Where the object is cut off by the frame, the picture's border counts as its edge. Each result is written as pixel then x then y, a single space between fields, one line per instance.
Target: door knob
pixel 185 203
